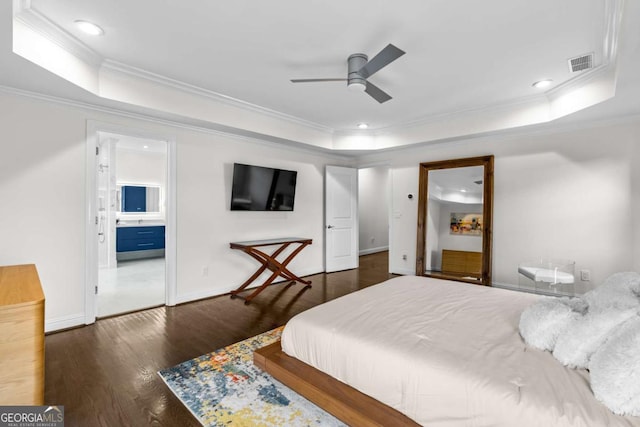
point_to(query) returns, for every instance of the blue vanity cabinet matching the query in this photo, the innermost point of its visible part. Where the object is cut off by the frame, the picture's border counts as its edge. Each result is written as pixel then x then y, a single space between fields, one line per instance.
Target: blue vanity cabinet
pixel 145 241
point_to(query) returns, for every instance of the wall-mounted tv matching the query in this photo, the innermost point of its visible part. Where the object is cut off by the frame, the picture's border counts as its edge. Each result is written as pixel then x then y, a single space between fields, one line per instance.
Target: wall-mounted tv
pixel 256 188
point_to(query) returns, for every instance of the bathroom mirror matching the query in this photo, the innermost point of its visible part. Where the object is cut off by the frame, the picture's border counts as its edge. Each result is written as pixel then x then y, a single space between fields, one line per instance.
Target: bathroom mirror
pixel 138 198
pixel 455 220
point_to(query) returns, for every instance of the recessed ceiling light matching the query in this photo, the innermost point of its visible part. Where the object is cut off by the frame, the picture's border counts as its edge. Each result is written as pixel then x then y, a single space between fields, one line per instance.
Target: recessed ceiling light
pixel 362 126
pixel 463 190
pixel 145 146
pixel 542 84
pixel 89 28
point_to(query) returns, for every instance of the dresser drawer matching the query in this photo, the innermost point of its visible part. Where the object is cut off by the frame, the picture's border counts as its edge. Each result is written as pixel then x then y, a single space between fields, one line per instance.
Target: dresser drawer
pixel 139 238
pixel 126 245
pixel 154 232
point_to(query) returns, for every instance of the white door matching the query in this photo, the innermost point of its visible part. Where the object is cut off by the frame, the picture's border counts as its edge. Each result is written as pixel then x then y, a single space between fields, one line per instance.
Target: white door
pixel 341 218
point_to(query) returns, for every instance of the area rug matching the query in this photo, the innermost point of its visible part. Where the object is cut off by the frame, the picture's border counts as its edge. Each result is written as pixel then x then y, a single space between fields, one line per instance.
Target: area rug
pixel 224 388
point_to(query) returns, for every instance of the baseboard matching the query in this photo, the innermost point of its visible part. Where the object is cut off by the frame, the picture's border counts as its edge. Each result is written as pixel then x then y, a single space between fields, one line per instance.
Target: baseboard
pixel 210 293
pixel 403 272
pixel 373 250
pixel 133 255
pixel 64 322
pixel 508 286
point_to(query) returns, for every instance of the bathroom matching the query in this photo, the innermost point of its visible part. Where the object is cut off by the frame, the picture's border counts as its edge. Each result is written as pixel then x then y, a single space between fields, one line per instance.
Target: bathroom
pixel 131 189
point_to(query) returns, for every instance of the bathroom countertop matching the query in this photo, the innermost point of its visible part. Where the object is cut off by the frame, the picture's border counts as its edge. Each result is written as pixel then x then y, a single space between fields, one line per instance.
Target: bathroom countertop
pixel 149 223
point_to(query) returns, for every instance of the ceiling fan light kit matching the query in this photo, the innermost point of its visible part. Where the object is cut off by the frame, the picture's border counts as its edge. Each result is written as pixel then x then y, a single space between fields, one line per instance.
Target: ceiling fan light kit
pixel 355 81
pixel 360 69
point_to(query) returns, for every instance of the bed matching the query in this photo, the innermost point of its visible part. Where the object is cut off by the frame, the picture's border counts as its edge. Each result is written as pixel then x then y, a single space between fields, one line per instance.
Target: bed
pixel 436 353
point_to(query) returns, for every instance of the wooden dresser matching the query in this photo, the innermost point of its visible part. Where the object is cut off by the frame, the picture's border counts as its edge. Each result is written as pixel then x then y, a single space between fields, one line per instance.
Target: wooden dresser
pixel 21 336
pixel 462 263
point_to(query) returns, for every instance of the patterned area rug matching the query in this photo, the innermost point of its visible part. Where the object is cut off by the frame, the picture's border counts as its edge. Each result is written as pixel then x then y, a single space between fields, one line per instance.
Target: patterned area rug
pixel 224 388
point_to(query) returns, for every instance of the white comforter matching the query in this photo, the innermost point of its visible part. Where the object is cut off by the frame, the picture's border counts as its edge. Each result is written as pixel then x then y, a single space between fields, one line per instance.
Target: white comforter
pixel 445 354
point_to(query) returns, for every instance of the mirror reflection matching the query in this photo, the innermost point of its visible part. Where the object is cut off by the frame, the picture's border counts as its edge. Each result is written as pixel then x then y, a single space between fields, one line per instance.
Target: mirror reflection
pixel 138 198
pixel 454 220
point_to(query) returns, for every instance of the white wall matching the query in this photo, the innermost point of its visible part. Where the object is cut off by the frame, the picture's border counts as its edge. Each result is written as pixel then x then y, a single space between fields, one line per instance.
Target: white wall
pixel 138 167
pixel 404 215
pixel 43 208
pixel 373 209
pixel 635 197
pixel 206 225
pixel 558 194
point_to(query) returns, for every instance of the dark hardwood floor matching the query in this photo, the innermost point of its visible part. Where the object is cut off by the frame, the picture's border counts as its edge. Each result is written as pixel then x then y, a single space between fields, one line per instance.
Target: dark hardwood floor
pixel 105 374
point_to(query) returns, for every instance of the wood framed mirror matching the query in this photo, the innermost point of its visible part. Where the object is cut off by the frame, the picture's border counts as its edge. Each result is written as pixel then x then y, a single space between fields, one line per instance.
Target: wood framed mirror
pixel 455 217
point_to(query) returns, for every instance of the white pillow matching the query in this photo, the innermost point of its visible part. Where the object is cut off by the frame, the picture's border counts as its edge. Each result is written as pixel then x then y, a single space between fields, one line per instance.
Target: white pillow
pixel 620 291
pixel 544 320
pixel 615 369
pixel 585 334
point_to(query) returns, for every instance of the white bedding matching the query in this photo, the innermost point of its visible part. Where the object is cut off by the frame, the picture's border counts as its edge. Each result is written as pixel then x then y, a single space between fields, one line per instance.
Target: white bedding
pixel 445 354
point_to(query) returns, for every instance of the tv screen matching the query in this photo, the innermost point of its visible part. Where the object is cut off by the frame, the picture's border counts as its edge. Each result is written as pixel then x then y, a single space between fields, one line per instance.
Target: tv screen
pixel 256 188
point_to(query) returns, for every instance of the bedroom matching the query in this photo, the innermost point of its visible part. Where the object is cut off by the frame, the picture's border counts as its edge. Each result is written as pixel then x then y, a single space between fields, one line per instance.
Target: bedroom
pixel 586 166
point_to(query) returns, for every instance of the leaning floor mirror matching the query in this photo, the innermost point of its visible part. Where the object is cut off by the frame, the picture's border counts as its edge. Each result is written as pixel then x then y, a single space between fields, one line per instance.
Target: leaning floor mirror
pixel 455 220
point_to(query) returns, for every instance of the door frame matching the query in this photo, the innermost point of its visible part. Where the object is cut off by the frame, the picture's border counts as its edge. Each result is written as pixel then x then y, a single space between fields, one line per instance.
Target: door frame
pixel 388 194
pixel 91 194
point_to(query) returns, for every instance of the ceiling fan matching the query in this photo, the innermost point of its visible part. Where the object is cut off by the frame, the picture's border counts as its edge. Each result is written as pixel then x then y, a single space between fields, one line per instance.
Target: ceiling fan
pixel 360 69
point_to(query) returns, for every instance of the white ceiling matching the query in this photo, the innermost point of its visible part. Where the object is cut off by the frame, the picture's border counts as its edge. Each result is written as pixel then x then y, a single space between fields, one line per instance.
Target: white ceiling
pixel 459 185
pixel 461 57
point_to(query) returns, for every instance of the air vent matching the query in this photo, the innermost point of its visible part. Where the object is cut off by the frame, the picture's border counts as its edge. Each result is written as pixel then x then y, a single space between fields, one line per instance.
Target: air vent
pixel 581 63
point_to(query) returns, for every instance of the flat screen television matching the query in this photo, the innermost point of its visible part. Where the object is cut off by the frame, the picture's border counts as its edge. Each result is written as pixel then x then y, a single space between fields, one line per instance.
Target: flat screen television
pixel 256 188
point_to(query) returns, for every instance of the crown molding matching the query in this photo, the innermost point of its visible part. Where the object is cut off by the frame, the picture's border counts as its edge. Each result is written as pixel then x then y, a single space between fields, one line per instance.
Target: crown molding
pixel 224 131
pixel 612 24
pixel 356 156
pixel 115 66
pixel 26 14
pixel 568 86
pixel 442 117
pixel 32 18
pixel 547 128
pixel 36 21
pixel 613 20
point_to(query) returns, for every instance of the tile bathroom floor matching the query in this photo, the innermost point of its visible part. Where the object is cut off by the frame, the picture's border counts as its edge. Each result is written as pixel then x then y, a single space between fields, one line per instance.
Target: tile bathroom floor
pixel 134 285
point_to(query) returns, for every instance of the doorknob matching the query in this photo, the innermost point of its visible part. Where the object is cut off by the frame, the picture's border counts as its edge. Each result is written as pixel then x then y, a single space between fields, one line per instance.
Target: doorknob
pixel 329 226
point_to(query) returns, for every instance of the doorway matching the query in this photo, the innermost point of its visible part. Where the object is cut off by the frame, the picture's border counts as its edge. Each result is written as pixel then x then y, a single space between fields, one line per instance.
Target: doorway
pixel 132 183
pixel 356 214
pixel 131 221
pixel 373 209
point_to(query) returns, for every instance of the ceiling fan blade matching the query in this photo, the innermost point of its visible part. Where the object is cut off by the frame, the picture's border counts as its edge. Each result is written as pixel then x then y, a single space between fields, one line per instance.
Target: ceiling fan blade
pixel 316 80
pixel 385 57
pixel 377 93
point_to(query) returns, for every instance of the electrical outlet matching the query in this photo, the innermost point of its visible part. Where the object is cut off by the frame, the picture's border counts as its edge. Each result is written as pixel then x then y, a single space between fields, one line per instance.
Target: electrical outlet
pixel 585 275
pixel 205 271
pixel 373 239
pixel 404 257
